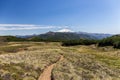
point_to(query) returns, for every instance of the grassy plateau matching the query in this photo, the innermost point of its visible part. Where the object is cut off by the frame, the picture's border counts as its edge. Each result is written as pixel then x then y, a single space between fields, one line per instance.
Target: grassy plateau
pixel 27 61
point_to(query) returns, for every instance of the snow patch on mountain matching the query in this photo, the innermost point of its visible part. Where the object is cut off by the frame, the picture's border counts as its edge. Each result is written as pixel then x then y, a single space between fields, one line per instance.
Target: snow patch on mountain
pixel 65 30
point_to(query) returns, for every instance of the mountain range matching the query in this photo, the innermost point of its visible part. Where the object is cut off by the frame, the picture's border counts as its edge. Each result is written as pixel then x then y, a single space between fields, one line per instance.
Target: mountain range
pixel 61 35
pixel 66 34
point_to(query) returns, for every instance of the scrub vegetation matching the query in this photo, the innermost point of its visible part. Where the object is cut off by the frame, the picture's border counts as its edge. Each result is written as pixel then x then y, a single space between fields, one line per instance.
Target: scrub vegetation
pixel 81 62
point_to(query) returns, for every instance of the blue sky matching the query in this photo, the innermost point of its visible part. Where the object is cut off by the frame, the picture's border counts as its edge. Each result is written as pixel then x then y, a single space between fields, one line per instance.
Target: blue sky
pixel 23 17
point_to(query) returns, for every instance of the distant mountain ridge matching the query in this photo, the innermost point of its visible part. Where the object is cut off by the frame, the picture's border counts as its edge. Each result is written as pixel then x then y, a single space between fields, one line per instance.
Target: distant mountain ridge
pixel 56 36
pixel 97 35
pixel 72 34
pixel 62 36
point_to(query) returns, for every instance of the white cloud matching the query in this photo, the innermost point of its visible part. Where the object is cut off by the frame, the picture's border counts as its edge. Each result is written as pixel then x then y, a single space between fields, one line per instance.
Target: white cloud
pixel 25 27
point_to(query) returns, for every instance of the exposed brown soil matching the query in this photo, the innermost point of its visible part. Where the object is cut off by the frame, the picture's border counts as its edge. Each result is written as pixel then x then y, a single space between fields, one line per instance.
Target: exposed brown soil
pixel 46 75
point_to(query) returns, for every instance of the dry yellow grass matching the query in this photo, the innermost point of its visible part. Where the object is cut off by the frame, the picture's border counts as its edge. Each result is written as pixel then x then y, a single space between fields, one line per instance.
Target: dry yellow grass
pixel 27 64
pixel 79 63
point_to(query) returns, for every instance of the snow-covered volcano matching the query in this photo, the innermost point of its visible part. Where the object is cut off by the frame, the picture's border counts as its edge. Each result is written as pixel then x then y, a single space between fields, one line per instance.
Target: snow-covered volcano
pixel 65 30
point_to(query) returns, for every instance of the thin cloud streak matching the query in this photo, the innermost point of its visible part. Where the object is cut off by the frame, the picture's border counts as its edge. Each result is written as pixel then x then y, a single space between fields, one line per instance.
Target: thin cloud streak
pixel 26 27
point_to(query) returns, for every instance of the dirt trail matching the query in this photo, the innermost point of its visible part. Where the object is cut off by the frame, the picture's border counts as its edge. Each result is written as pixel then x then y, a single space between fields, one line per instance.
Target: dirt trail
pixel 46 75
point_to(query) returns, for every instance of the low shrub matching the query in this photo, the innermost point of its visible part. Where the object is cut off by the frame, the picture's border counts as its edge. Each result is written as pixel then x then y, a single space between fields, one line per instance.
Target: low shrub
pixel 79 42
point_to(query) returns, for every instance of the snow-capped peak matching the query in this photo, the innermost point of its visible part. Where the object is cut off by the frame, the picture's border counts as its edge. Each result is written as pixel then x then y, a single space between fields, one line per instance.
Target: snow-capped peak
pixel 65 30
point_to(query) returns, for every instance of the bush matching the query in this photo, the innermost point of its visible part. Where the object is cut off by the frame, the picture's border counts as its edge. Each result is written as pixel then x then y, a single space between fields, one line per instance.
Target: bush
pixel 79 42
pixel 111 41
pixel 117 44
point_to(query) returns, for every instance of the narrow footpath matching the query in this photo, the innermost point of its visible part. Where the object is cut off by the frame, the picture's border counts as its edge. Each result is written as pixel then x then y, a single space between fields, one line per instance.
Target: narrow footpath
pixel 46 75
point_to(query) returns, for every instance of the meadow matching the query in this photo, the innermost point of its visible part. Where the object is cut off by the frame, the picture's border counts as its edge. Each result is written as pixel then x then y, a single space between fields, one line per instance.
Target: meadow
pixel 28 60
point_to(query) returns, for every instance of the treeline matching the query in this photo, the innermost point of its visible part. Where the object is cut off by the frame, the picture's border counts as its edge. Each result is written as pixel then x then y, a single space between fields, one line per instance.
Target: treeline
pixel 13 38
pixel 79 42
pixel 111 41
pixel 38 39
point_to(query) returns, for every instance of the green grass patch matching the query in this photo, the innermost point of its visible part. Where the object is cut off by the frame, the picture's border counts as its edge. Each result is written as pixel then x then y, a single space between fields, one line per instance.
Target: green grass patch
pixel 13 49
pixel 109 60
